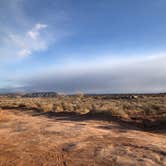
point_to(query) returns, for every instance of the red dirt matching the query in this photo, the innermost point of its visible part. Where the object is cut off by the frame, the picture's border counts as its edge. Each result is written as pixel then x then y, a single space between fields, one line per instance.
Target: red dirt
pixel 31 139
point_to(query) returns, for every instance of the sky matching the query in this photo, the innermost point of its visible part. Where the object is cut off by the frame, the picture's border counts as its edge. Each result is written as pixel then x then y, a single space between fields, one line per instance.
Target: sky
pixel 96 46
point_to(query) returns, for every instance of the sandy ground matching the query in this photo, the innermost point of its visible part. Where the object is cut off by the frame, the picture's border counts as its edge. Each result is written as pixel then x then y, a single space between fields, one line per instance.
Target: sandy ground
pixel 28 138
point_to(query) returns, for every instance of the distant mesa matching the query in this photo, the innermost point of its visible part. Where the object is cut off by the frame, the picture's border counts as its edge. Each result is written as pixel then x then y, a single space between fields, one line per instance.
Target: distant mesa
pixel 30 95
pixel 41 94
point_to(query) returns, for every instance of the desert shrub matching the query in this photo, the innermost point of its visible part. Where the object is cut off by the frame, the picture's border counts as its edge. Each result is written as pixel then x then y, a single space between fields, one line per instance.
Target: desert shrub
pixel 79 94
pixel 162 120
pixel 22 105
pixel 84 111
pixel 66 106
pixel 118 112
pixel 150 109
pixel 46 107
pixel 58 108
pixel 156 107
pixel 128 106
pixel 109 110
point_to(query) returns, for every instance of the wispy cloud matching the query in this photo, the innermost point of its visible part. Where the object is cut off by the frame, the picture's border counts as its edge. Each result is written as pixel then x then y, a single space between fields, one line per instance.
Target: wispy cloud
pixel 34 32
pixel 20 36
pixel 31 41
pixel 23 35
pixel 24 52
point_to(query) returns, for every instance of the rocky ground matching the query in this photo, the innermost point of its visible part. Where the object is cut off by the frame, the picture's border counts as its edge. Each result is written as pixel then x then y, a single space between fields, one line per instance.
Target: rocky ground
pixel 29 138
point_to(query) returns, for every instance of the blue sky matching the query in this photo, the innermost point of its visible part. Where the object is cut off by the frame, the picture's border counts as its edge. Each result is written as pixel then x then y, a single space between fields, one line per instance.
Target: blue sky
pixel 108 46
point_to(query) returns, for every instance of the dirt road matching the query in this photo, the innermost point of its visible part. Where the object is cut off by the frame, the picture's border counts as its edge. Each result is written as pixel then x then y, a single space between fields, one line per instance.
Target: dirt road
pixel 28 138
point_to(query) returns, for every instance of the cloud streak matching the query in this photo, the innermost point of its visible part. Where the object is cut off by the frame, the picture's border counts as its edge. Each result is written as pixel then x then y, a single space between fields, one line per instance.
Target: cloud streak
pixel 126 76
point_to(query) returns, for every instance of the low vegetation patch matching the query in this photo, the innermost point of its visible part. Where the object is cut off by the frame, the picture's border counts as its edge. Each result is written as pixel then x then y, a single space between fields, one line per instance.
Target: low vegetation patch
pixel 147 111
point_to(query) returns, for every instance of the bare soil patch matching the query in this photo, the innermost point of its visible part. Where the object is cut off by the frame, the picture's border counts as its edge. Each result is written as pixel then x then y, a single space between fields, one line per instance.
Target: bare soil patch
pixel 29 138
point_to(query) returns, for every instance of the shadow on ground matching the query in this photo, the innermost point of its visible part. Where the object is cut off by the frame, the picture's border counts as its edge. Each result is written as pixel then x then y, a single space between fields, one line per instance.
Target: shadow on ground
pixel 134 123
pixel 148 126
